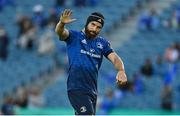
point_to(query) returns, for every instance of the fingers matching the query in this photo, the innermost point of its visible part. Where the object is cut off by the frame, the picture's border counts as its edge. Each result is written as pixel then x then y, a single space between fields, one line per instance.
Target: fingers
pixel 67 12
pixel 122 83
pixel 121 80
pixel 73 20
pixel 66 16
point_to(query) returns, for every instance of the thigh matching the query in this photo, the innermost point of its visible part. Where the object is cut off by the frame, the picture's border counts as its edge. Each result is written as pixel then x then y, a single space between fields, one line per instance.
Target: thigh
pixel 82 103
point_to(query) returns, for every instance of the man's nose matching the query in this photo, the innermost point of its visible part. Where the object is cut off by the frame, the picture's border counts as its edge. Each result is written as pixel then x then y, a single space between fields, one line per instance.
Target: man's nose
pixel 94 28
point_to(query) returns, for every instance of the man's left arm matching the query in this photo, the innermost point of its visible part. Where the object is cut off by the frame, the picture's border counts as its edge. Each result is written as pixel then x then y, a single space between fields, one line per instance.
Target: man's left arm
pixel 118 64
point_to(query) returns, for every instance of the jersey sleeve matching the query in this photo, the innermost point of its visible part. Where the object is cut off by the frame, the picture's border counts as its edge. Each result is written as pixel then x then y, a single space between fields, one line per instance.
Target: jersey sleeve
pixel 107 49
pixel 70 38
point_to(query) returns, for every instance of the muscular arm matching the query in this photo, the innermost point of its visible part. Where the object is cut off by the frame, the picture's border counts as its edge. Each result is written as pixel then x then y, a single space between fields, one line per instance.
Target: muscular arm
pixel 61 31
pixel 116 60
pixel 118 64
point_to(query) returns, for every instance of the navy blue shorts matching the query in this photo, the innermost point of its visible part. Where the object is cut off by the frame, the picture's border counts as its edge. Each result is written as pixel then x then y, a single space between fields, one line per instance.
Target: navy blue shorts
pixel 83 103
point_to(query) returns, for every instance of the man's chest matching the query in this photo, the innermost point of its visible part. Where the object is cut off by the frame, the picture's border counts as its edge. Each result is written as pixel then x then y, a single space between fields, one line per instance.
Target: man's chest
pixel 90 48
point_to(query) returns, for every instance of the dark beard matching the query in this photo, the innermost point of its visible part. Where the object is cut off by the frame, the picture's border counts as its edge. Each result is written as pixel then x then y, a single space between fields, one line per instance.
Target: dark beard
pixel 89 33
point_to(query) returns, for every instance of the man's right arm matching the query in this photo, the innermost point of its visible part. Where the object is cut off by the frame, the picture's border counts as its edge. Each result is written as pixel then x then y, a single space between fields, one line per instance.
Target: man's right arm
pixel 61 31
pixel 65 18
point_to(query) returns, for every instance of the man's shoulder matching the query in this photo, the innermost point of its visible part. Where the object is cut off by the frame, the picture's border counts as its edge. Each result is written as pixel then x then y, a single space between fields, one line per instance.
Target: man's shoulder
pixel 75 31
pixel 102 39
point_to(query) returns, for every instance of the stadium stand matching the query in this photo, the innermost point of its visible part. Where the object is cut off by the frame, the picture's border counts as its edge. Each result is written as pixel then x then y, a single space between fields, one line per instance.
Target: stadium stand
pixel 23 65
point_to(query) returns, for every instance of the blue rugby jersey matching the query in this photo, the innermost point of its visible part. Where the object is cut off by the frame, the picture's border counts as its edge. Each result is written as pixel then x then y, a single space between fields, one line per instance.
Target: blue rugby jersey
pixel 85 57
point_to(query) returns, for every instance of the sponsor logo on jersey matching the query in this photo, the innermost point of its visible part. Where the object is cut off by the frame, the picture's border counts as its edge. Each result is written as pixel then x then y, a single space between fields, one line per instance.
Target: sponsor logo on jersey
pixel 90 54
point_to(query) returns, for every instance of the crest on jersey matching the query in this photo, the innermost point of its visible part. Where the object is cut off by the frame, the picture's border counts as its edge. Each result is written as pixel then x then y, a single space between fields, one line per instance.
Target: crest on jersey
pixel 99 45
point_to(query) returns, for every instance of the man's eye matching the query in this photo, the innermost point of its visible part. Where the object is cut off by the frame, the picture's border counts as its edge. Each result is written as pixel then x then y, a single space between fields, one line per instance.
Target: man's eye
pixel 93 24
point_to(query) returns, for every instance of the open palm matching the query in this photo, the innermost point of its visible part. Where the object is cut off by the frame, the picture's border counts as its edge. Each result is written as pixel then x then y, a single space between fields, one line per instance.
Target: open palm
pixel 66 17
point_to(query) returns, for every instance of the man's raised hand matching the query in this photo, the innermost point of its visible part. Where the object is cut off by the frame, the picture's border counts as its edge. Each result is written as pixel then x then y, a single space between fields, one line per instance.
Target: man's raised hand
pixel 66 16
